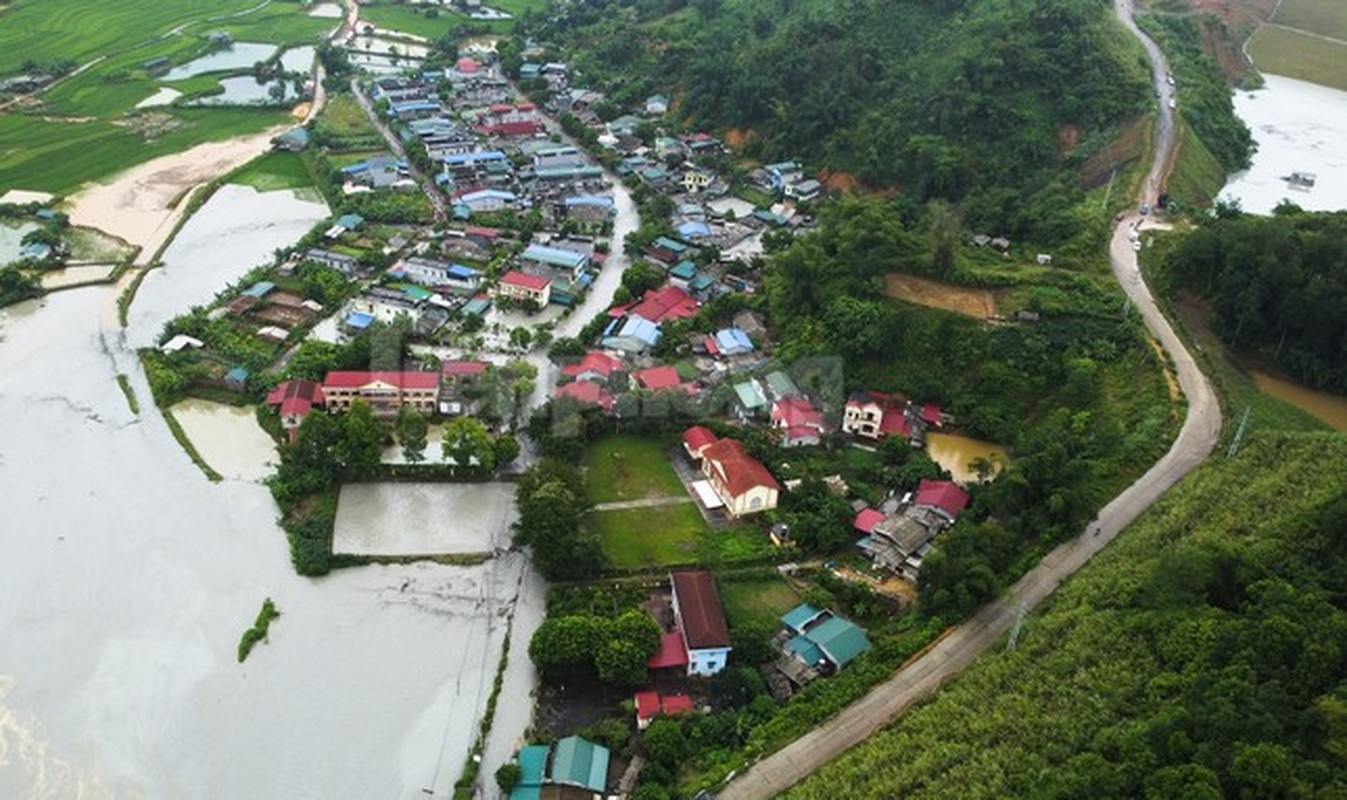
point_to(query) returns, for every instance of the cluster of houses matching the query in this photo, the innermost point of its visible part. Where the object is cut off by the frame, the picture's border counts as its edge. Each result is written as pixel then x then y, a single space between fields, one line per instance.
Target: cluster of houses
pixel 897 535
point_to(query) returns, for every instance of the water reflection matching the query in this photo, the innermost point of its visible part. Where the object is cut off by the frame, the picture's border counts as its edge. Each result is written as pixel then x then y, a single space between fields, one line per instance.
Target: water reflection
pixel 241 55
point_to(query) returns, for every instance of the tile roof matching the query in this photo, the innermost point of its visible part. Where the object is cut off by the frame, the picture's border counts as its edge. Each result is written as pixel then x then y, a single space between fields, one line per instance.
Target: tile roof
pixel 670 302
pixel 698 437
pixel 463 367
pixel 944 495
pixel 516 278
pixel 671 652
pixel 797 412
pixel 703 620
pixel 593 361
pixel 351 379
pixel 739 471
pixel 657 378
pixel 867 519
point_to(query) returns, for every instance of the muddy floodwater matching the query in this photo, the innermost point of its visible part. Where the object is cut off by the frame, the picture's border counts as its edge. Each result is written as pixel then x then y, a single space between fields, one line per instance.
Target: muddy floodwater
pixel 11 239
pixel 1299 127
pixel 228 438
pixel 1331 408
pixel 394 519
pixel 956 453
pixel 128 578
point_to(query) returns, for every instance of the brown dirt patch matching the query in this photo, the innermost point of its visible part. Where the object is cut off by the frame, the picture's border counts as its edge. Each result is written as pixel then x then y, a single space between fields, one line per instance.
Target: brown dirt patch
pixel 842 181
pixel 1130 143
pixel 1068 136
pixel 301 111
pixel 1175 393
pixel 736 138
pixel 977 303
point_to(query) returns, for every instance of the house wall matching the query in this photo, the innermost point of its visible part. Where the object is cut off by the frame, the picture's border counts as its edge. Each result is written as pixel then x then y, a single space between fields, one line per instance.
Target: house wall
pixel 755 500
pixel 702 663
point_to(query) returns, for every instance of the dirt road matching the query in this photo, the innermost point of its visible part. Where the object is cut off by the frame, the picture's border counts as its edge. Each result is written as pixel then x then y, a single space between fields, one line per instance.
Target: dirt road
pixel 923 675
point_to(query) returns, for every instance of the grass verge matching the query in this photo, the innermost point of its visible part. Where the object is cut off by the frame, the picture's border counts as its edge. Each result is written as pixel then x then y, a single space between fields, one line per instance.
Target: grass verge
pixel 125 384
pixel 258 632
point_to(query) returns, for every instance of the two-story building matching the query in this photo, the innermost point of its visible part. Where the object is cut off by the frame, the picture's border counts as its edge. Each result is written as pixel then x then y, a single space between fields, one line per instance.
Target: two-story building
pixel 522 286
pixel 385 391
pixel 741 482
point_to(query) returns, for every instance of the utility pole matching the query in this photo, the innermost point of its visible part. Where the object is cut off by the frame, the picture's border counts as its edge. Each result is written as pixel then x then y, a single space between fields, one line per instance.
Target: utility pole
pixel 1020 611
pixel 1239 434
pixel 1109 191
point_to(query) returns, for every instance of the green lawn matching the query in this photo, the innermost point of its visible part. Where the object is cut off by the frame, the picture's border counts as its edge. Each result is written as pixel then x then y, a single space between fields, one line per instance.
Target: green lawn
pixel 650 537
pixel 274 171
pixel 404 19
pixel 757 600
pixel 630 468
pixel 1297 55
pixel 755 196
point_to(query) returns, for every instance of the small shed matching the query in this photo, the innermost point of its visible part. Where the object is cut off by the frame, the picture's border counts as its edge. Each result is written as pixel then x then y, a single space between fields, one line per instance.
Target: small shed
pixel 237 378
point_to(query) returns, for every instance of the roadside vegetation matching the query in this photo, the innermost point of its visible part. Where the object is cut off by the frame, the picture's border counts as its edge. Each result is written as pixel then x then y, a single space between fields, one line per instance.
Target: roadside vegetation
pixel 258 632
pixel 1200 655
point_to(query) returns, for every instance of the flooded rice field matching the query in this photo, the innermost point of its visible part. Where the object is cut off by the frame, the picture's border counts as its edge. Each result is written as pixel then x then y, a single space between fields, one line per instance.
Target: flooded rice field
pixel 245 90
pixel 298 59
pixel 236 230
pixel 128 579
pixel 228 438
pixel 240 55
pixel 163 97
pixel 958 453
pixel 396 519
pixel 74 276
pixel 1299 127
pixel 11 239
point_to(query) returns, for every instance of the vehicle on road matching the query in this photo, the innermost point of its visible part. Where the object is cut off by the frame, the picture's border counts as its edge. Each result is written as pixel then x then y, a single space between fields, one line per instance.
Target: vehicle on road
pixel 1145 209
pixel 1136 246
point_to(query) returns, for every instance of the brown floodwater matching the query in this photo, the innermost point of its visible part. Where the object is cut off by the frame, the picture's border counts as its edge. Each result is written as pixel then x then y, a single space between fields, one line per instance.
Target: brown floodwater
pixel 955 453
pixel 1330 408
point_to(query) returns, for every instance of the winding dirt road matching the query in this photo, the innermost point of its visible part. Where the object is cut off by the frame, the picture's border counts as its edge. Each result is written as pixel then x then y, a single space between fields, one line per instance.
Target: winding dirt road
pixel 925 673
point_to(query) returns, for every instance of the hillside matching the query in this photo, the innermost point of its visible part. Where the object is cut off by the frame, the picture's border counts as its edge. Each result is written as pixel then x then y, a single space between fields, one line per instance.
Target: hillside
pixel 1203 655
pixel 988 102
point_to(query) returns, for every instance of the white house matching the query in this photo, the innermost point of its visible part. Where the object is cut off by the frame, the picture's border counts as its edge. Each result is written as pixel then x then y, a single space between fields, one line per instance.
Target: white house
pixel 741 482
pixel 701 621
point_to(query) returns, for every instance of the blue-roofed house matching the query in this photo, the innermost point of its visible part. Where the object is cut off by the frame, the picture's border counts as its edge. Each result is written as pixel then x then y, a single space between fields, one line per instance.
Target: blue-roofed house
pixel 487 200
pixel 733 342
pixel 571 262
pixel 636 335
pixel 260 289
pixel 358 321
pixel 35 251
pixel 351 222
pixel 237 378
pixel 822 640
pixel 414 109
pixel 693 230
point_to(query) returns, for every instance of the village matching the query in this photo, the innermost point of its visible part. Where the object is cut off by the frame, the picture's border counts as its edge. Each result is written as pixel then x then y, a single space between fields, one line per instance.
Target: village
pixel 478 315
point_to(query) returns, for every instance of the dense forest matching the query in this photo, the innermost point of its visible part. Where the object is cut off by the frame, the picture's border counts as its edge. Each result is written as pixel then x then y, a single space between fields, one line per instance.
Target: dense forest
pixel 1203 655
pixel 986 102
pixel 1277 288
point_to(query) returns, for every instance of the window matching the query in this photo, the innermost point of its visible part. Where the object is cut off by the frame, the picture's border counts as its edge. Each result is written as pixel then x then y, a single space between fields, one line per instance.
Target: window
pixel 755 503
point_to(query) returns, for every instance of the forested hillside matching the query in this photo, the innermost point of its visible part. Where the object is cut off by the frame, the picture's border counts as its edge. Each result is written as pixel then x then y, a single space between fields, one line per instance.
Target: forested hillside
pixel 1202 655
pixel 989 102
pixel 1277 288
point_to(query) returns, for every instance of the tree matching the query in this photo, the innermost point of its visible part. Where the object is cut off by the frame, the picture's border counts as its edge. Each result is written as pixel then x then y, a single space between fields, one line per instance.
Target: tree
pixel 465 440
pixel 521 338
pixel 944 228
pixel 752 643
pixel 621 663
pixel 509 773
pixel 360 447
pixel 411 428
pixel 666 743
pixel 507 450
pixel 566 643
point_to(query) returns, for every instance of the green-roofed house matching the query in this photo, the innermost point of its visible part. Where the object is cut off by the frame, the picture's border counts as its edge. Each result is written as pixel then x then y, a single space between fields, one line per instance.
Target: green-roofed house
pixel 532 772
pixel 581 763
pixel 822 639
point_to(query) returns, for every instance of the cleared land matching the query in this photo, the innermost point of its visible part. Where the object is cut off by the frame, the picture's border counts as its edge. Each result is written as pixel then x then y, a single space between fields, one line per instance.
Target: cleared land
pixel 757 600
pixel 1325 17
pixel 274 171
pixel 650 537
pixel 630 468
pixel 1283 51
pixel 977 303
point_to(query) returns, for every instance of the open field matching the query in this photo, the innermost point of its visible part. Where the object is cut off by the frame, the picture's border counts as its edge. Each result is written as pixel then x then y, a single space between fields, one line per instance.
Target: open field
pixel 629 468
pixel 976 303
pixel 274 171
pixel 1283 51
pixel 1324 17
pixel 60 156
pixel 48 30
pixel 650 537
pixel 405 19
pixel 760 600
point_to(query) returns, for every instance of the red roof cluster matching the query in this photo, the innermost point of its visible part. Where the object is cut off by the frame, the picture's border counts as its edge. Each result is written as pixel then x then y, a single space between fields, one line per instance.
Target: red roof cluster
pixel 650 704
pixel 697 438
pixel 519 127
pixel 796 412
pixel 516 278
pixel 738 471
pixel 295 397
pixel 699 611
pixel 670 302
pixel 931 414
pixel 944 495
pixel 586 392
pixel 355 379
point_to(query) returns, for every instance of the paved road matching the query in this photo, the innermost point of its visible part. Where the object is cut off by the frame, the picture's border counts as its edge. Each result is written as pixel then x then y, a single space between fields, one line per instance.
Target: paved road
pixel 923 675
pixel 427 183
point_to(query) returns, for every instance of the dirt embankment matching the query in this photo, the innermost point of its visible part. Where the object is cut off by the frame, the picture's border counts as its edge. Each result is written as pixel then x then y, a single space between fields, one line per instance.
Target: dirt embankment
pixel 977 303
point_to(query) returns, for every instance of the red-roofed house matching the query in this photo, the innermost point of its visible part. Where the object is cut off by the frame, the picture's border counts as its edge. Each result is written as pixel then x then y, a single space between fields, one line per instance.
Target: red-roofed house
pixel 867 519
pixel 696 439
pixel 799 422
pixel 866 412
pixel 932 415
pixel 672 652
pixel 943 497
pixel 651 704
pixel 741 481
pixel 294 400
pixel 586 392
pixel 523 286
pixel 670 302
pixel 656 379
pixel 595 366
pixel 385 391
pixel 701 620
